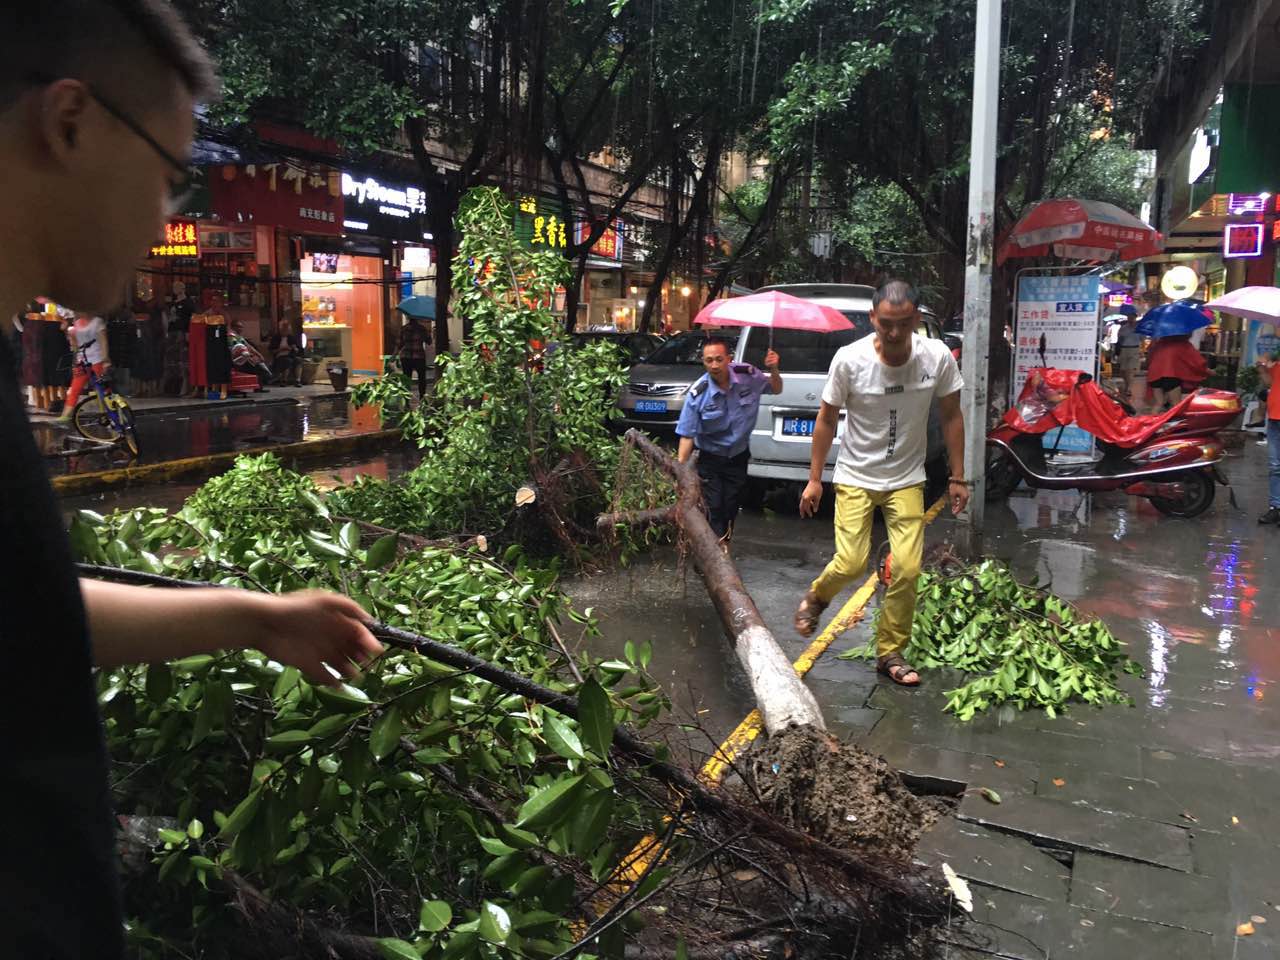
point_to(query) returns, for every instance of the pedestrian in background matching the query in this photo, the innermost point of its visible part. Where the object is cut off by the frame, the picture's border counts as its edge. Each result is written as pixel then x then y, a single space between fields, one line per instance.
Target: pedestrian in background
pixel 716 421
pixel 885 382
pixel 414 340
pixel 1128 350
pixel 286 352
pixel 1266 370
pixel 89 333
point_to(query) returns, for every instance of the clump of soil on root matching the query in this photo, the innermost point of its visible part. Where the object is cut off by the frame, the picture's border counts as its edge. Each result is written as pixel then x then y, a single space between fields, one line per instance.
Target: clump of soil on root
pixel 838 793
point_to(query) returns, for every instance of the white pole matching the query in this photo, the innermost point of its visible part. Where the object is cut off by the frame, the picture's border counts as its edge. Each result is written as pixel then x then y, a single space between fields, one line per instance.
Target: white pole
pixel 979 258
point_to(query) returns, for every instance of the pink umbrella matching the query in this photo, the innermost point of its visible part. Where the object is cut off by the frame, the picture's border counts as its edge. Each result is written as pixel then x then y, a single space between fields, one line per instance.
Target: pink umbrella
pixel 774 310
pixel 1255 303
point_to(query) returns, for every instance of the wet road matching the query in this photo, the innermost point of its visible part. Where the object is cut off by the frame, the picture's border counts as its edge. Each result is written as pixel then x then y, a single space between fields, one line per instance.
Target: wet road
pixel 181 434
pixel 1162 837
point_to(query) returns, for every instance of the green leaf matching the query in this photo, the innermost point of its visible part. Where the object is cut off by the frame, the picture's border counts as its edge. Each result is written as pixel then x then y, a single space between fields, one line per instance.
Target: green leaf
pixel 241 815
pixel 397 950
pixel 682 952
pixel 496 847
pixel 329 726
pixel 550 804
pixel 989 795
pixel 495 923
pixel 562 739
pixel 289 740
pixel 323 549
pixel 343 697
pixel 349 536
pixel 386 733
pixel 382 552
pixel 595 717
pixel 84 541
pixel 195 829
pixel 435 915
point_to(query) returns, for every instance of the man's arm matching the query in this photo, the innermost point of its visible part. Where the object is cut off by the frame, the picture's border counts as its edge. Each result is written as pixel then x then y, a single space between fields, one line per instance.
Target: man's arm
pixel 686 449
pixel 953 433
pixel 824 431
pixel 771 361
pixel 307 630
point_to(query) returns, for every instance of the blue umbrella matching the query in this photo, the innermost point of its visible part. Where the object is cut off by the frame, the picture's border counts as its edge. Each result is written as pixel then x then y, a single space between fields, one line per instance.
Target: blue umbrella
pixel 1172 320
pixel 424 308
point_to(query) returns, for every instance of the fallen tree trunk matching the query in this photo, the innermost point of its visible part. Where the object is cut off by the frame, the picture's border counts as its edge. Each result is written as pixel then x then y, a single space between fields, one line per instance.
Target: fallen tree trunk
pixel 783 698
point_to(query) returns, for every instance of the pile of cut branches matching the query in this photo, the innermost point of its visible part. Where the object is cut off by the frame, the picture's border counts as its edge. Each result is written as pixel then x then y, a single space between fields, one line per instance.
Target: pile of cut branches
pixel 1021 644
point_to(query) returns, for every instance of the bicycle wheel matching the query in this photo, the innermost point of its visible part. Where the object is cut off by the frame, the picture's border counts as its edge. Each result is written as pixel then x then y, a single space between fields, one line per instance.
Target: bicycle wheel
pixel 124 414
pixel 93 420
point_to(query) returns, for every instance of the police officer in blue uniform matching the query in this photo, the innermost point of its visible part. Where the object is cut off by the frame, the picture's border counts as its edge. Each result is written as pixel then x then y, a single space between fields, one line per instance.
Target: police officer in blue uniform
pixel 717 419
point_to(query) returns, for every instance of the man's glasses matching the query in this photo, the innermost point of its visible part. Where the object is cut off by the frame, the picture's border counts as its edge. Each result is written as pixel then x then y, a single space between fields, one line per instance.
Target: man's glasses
pixel 180 189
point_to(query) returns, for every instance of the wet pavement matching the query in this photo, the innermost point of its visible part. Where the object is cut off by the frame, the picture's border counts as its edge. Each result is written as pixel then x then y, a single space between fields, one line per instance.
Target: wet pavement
pixel 1164 834
pixel 203 430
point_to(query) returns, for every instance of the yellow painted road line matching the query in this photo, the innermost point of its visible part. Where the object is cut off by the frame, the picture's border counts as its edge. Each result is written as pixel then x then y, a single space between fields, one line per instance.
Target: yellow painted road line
pixel 633 865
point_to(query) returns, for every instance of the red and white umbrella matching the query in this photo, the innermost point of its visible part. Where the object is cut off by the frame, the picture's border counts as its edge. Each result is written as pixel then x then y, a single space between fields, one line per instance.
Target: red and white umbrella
pixel 774 310
pixel 1080 230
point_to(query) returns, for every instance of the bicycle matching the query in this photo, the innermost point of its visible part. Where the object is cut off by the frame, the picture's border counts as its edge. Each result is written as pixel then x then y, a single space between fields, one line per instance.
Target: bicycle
pixel 101 414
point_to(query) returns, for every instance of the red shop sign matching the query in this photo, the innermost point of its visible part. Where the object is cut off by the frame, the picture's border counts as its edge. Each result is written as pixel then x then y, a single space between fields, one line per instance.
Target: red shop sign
pixel 293 195
pixel 180 240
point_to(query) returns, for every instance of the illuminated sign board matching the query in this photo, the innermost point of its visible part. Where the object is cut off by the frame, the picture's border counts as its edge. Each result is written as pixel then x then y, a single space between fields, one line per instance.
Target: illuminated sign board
pixel 1246 203
pixel 395 211
pixel 1242 240
pixel 180 240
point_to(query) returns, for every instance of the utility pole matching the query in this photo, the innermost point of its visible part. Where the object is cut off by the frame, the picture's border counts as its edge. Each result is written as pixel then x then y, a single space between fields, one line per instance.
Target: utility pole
pixel 979 256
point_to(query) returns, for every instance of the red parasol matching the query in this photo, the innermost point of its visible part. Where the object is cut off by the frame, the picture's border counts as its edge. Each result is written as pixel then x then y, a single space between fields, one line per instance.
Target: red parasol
pixel 1080 230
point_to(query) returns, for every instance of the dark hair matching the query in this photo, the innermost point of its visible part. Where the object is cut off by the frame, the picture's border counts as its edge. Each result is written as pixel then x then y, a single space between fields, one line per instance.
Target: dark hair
pixel 713 340
pixel 88 39
pixel 897 292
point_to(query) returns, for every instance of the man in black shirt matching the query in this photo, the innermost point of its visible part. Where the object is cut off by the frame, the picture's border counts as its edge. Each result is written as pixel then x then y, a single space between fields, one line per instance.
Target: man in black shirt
pixel 96 101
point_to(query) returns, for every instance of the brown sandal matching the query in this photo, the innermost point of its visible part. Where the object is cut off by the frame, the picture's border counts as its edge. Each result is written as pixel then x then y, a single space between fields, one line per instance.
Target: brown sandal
pixel 808 613
pixel 896 669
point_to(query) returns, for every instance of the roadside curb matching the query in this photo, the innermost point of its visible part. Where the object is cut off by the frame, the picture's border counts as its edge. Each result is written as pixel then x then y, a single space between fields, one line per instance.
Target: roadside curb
pixel 75 484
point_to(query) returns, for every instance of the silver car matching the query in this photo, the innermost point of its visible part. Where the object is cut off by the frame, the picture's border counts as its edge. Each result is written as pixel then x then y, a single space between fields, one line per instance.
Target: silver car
pixel 781 441
pixel 656 389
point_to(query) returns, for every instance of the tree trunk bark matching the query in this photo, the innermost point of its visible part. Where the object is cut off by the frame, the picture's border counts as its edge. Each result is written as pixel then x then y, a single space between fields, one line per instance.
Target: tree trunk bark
pixel 782 697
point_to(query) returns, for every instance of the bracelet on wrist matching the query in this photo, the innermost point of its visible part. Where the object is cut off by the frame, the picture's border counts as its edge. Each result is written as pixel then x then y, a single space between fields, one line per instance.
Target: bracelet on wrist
pixel 959 480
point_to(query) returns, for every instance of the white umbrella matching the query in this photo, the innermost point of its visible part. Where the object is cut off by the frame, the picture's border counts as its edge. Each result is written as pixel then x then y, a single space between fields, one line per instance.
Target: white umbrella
pixel 1255 303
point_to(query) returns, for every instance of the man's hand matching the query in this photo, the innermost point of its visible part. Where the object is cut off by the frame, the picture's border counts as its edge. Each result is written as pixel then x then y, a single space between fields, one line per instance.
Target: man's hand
pixel 811 498
pixel 959 494
pixel 311 629
pixel 771 359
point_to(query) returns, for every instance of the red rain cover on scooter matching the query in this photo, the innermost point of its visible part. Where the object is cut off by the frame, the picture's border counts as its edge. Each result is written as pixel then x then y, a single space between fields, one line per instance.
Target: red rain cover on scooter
pixel 1053 398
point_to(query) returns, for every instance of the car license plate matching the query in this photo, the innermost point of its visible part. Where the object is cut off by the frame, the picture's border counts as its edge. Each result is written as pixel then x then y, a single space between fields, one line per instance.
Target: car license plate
pixel 797 426
pixel 651 406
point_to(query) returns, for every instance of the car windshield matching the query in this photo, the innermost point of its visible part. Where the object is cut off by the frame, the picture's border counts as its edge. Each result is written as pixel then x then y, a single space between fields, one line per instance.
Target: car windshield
pixel 802 351
pixel 685 349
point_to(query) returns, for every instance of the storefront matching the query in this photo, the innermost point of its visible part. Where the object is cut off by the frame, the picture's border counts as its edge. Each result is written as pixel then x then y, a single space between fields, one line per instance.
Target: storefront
pixel 385 255
pixel 606 302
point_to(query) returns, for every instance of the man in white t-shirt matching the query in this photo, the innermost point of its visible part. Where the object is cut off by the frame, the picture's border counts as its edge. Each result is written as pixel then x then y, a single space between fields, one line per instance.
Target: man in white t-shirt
pixel 886 383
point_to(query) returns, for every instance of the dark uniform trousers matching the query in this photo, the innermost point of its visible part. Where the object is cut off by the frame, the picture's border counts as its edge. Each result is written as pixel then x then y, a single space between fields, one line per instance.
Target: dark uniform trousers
pixel 723 481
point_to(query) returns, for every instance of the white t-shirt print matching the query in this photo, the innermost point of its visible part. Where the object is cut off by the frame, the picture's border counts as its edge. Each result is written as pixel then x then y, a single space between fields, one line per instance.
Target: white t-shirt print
pixel 887 410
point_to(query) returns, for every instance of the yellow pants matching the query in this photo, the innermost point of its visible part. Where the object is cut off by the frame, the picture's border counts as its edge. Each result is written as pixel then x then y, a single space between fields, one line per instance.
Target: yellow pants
pixel 904 516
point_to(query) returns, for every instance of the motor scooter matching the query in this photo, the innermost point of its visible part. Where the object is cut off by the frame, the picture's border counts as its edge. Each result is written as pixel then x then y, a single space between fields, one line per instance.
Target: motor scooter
pixel 1173 459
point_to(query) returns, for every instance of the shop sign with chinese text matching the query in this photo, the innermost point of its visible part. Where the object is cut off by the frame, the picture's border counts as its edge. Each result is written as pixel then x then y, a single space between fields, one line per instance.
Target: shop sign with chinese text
pixel 541 224
pixel 292 195
pixel 1065 311
pixel 180 240
pixel 608 246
